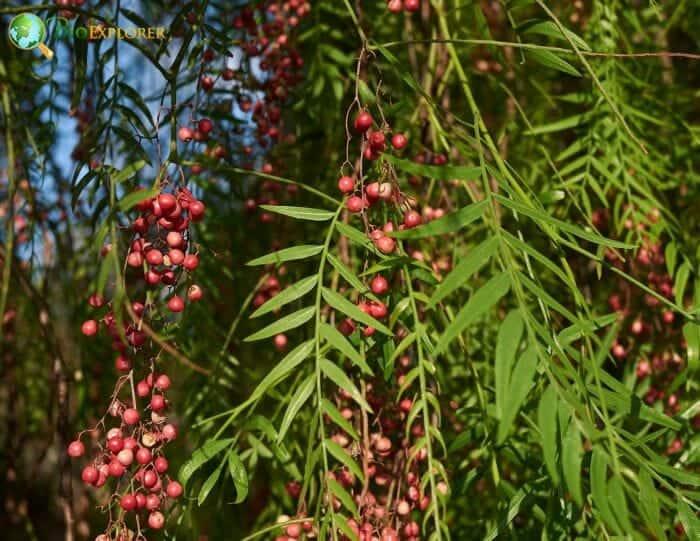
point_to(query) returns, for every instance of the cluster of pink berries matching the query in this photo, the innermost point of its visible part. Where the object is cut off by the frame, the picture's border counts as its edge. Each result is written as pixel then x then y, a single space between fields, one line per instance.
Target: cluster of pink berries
pixel 396 6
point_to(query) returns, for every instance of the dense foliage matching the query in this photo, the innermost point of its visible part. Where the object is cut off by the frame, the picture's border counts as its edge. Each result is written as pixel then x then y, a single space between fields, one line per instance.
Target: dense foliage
pixel 351 270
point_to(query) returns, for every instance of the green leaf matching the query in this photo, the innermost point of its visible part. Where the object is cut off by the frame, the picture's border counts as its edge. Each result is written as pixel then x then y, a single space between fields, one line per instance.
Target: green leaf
pixel 551 60
pixel 201 456
pixel 446 224
pixel 80 49
pixel 300 213
pixel 129 171
pixel 690 522
pixel 599 490
pixel 331 335
pixel 479 303
pixel 239 476
pixel 560 125
pixel 337 376
pixel 354 235
pixel 134 198
pixel 463 271
pixel 300 397
pixel 542 216
pixel 342 524
pixel 548 28
pixel 572 456
pixel 288 254
pixel 513 509
pixel 680 282
pixel 618 503
pixel 521 382
pixel 342 495
pixel 547 421
pixel 209 484
pixel 507 343
pixel 437 172
pixel 283 369
pixel 329 409
pixel 351 310
pixel 291 321
pixel 691 333
pixel 344 458
pixel 290 294
pixel 649 502
pixel 670 254
pixel 351 279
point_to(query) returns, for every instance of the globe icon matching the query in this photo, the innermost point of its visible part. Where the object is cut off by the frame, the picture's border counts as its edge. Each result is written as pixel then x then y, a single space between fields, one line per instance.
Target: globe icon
pixel 27 31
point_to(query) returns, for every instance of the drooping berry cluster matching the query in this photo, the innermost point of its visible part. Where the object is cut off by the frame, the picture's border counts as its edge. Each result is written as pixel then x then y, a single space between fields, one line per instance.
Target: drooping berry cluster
pixel 396 6
pixel 162 256
pixel 650 335
pixel 392 499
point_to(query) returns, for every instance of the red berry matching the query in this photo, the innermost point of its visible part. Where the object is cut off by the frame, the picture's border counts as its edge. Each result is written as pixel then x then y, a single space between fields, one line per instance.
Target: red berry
pixel 131 416
pixel 176 256
pixel 169 432
pixel 154 257
pixel 176 304
pixel 152 277
pixel 130 443
pixel 205 126
pixel 280 341
pixel 150 478
pixel 174 239
pixel 115 444
pixel 152 502
pixel 207 83
pixel 293 530
pixel 399 141
pixel 412 5
pixel 76 449
pixel 122 363
pixel 395 6
pixel 143 455
pixel 194 293
pixel 142 389
pixel 96 300
pixel 363 122
pixel 90 474
pixel 161 464
pixel 377 141
pixel 412 219
pixel 89 328
pixel 385 245
pixel 116 469
pixel 174 489
pixel 196 209
pixel 167 202
pixel 157 402
pixel 191 262
pixel 125 457
pixel 156 520
pixel 162 382
pixel 128 502
pixel 134 259
pixel 378 310
pixel 346 184
pixel 355 204
pixel 379 285
pixel 185 134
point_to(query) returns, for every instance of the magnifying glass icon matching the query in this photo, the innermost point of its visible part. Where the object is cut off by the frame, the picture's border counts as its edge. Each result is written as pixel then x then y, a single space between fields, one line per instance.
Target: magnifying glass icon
pixel 27 31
